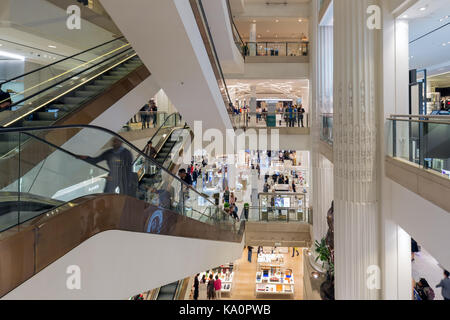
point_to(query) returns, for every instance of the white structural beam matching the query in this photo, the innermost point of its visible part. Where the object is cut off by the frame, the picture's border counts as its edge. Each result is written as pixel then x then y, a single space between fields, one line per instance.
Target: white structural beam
pixel 166 37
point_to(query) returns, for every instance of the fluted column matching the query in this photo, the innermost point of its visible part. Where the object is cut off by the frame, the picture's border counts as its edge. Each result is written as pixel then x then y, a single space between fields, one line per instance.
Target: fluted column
pixel 356 68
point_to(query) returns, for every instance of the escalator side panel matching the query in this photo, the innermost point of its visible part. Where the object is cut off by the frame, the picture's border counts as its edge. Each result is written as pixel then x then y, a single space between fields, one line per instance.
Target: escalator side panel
pixel 48 238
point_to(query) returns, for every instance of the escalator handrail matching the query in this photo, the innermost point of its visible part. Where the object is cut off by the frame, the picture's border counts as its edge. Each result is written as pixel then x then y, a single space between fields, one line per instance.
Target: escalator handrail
pixel 62 60
pixel 159 129
pixel 213 47
pixel 71 77
pixel 113 135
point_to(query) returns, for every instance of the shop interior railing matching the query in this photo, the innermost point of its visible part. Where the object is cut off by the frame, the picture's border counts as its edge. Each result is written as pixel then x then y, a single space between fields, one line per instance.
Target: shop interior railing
pixel 421 139
pixel 65 76
pixel 326 132
pixel 270 214
pixel 273 49
pixel 281 119
pixel 53 164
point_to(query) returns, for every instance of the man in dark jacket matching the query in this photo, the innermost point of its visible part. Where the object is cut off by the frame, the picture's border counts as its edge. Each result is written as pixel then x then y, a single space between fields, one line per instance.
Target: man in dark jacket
pixel 120 178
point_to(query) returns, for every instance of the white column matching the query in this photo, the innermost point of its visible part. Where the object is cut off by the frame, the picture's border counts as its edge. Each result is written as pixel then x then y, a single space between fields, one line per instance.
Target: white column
pixel 252 38
pixel 253 106
pixel 356 69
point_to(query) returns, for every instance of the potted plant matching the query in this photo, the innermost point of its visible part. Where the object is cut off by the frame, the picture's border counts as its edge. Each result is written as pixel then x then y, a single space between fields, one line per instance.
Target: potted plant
pixel 246 210
pixel 325 255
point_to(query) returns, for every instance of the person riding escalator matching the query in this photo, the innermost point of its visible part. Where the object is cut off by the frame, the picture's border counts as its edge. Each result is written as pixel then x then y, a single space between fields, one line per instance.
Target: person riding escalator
pixel 121 178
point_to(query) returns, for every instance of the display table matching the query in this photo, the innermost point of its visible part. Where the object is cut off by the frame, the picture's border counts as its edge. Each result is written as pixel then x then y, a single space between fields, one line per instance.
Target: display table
pixel 270 259
pixel 274 280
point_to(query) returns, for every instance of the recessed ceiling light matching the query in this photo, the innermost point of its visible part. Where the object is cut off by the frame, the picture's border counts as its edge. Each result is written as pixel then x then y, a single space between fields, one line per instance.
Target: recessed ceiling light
pixel 444 44
pixel 52 46
pixel 405 16
pixel 277 20
pixel 423 8
pixel 300 20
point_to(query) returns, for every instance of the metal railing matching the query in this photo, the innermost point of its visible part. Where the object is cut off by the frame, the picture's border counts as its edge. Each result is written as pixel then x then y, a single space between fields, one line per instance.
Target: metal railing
pixel 277 49
pixel 421 139
pixel 282 119
pixel 240 44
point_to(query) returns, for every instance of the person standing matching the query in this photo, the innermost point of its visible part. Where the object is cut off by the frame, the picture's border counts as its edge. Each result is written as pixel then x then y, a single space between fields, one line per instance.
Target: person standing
pixel 250 249
pixel 196 284
pixel 218 288
pixel 445 285
pixel 145 116
pixel 424 290
pixel 202 288
pixel 154 112
pixel 210 289
pixel 150 150
pixel 301 114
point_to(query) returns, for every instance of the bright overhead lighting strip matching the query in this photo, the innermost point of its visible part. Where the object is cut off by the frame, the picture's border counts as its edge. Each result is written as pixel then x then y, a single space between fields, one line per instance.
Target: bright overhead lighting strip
pixel 12 55
pixel 71 89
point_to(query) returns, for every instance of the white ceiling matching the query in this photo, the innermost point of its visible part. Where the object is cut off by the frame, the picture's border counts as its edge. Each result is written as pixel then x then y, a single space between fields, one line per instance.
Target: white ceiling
pixel 268 29
pixel 440 81
pixel 281 89
pixel 429 31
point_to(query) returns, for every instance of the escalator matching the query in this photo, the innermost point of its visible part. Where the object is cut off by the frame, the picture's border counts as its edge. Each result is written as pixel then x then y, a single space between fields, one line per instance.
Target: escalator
pixel 55 93
pixel 57 200
pixel 168 292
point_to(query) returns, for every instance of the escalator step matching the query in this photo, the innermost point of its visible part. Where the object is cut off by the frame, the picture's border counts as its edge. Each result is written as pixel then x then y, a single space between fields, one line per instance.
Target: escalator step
pixel 111 78
pixel 94 88
pixel 49 116
pixel 104 83
pixel 37 123
pixel 85 93
pixel 74 100
pixel 63 107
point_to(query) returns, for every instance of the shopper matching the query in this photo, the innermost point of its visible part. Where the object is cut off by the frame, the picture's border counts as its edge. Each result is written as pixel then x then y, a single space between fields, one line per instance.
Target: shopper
pixel 202 288
pixel 145 116
pixel 185 177
pixel 301 114
pixel 154 113
pixel 121 178
pixel 5 101
pixel 210 289
pixel 250 249
pixel 226 195
pixel 218 288
pixel 149 150
pixel 196 284
pixel 445 285
pixel 424 290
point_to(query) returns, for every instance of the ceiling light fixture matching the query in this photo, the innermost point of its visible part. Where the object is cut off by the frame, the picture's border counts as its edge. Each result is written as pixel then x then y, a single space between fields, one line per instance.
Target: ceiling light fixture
pixel 300 20
pixel 277 20
pixel 52 46
pixel 423 8
pixel 405 16
pixel 12 55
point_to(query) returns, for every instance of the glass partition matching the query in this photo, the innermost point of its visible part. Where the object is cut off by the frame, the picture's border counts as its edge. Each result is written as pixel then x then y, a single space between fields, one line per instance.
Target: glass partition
pixel 274 49
pixel 326 133
pixel 52 166
pixel 423 140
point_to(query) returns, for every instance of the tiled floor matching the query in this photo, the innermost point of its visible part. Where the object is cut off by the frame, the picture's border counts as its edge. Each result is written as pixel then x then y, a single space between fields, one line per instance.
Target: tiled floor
pixel 244 279
pixel 425 266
